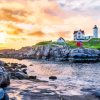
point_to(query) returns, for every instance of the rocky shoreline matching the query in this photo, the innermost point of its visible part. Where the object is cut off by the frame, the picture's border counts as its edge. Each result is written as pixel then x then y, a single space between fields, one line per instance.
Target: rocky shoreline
pixel 30 87
pixel 19 72
pixel 54 53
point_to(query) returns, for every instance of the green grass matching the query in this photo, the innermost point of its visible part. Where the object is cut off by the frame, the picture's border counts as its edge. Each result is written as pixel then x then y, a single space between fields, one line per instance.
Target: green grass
pixel 93 43
pixel 72 44
pixel 50 43
pixel 44 43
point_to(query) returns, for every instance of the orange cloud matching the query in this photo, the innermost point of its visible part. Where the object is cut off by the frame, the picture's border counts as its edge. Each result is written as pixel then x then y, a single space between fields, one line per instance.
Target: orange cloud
pixel 37 34
pixel 11 29
pixel 30 21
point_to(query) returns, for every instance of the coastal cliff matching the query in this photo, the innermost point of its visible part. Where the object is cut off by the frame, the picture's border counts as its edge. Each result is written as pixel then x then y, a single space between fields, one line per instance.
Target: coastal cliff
pixel 54 53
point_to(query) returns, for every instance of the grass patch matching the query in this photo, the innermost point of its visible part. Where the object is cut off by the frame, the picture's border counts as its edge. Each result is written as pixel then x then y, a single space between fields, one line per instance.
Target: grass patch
pixel 43 43
pixel 93 43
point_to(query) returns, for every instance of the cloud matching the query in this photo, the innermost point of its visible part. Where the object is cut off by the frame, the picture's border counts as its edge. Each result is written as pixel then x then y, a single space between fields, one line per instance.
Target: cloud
pixel 13 30
pixel 13 39
pixel 84 7
pixel 37 34
pixel 29 21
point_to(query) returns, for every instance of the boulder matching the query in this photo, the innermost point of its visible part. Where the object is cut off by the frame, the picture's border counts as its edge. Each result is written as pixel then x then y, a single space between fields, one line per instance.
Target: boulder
pixel 59 53
pixel 12 75
pixel 23 66
pixel 52 77
pixel 24 70
pixel 33 77
pixel 31 64
pixel 4 76
pixel 83 55
pixel 21 75
pixel 1 93
pixel 93 91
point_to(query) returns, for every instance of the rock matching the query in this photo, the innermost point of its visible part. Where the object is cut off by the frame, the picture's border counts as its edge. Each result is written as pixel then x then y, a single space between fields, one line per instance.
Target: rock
pixel 52 77
pixel 33 77
pixel 59 53
pixel 5 64
pixel 55 53
pixel 17 71
pixel 4 76
pixel 46 52
pixel 21 75
pixel 93 91
pixel 12 75
pixel 24 71
pixel 84 55
pixel 1 93
pixel 14 65
pixel 23 66
pixel 6 97
pixel 31 65
pixel 96 93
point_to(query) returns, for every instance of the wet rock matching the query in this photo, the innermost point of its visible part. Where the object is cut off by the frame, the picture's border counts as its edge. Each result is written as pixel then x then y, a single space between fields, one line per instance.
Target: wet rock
pixel 21 75
pixel 96 93
pixel 24 71
pixel 5 64
pixel 4 76
pixel 31 65
pixel 59 53
pixel 56 53
pixel 12 75
pixel 33 77
pixel 1 93
pixel 52 77
pixel 14 65
pixel 17 71
pixel 84 55
pixel 23 66
pixel 93 91
pixel 46 91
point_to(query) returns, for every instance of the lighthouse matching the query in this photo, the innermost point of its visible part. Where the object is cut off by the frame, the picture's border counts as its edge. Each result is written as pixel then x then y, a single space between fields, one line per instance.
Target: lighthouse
pixel 95 31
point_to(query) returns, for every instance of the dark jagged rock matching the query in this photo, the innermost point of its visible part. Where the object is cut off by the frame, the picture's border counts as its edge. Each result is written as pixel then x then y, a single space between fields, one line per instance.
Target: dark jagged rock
pixel 55 53
pixel 24 71
pixel 17 71
pixel 23 66
pixel 33 77
pixel 52 77
pixel 31 65
pixel 84 55
pixel 4 76
pixel 21 75
pixel 1 93
pixel 93 91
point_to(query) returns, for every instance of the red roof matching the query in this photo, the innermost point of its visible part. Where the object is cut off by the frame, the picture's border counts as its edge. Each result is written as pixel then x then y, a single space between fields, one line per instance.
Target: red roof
pixel 79 30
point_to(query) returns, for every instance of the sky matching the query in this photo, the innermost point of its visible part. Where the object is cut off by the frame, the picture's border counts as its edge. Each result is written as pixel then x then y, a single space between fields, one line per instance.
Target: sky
pixel 26 22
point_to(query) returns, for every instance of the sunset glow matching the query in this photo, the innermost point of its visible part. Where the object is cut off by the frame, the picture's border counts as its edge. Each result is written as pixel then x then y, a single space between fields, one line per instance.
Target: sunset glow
pixel 27 22
pixel 2 37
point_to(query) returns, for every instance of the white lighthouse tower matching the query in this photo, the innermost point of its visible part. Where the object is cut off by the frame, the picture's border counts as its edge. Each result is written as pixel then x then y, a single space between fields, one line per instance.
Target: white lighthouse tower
pixel 95 31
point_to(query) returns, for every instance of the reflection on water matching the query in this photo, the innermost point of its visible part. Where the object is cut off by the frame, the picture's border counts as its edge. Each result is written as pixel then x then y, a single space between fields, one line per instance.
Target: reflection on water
pixel 71 77
pixel 64 71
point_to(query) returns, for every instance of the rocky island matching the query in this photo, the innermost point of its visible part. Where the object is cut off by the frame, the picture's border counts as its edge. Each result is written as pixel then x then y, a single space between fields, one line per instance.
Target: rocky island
pixel 53 53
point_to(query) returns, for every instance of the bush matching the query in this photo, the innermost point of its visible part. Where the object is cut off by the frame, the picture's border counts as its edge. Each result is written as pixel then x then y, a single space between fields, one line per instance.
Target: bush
pixel 44 43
